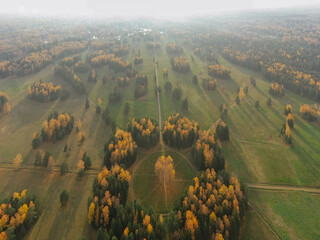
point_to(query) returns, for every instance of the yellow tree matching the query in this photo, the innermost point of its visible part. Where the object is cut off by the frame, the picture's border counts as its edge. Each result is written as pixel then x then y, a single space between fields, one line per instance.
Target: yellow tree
pixel 17 161
pixel 164 169
pixel 50 164
pixel 241 94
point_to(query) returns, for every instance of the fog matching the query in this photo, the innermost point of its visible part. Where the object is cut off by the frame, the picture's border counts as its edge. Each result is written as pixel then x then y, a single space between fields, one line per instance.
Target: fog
pixel 149 8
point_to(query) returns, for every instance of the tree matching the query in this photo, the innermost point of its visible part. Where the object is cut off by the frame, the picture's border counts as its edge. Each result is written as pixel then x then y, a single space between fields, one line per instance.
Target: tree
pixel 253 81
pixel 164 169
pixel 126 109
pixel 64 197
pixel 241 94
pixel 81 137
pixel 113 126
pixel 17 161
pixel 87 161
pixel 195 80
pixel 36 140
pixel 81 168
pixel 50 164
pixel 257 104
pixel 167 86
pixel 238 100
pixel 64 168
pixel 184 105
pixel 87 103
pixel 98 109
pixel 177 93
pixel 269 102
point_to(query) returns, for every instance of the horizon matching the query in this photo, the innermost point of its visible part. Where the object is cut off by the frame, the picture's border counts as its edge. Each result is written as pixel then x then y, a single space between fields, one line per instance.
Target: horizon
pixel 143 8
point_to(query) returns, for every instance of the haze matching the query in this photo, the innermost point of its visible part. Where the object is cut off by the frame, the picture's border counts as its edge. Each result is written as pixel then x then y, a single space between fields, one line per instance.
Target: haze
pixel 129 8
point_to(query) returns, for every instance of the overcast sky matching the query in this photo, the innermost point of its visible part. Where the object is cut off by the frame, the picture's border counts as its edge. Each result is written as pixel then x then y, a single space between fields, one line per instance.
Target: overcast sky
pixel 160 8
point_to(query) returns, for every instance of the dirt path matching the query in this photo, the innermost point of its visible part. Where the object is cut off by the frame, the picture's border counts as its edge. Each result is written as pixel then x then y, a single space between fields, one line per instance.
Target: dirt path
pixel 158 94
pixel 273 187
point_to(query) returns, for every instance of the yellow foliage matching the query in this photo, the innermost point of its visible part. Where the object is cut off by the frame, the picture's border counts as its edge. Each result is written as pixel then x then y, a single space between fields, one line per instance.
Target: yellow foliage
pixel 91 213
pixel 150 229
pixel 17 160
pixel 126 232
pixel 164 168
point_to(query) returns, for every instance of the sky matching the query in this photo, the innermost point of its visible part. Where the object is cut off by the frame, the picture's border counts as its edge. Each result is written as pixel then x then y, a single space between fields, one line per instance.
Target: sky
pixel 159 8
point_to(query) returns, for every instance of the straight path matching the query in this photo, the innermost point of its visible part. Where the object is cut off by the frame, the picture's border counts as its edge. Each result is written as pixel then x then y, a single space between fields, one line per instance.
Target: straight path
pixel 283 187
pixel 157 82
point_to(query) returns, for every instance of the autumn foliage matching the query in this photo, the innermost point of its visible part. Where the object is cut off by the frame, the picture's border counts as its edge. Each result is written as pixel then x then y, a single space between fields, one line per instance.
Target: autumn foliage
pixel 4 104
pixel 173 48
pixel 69 76
pixel 207 151
pixel 288 109
pixel 56 127
pixel 310 113
pixel 179 131
pixel 210 209
pixel 209 84
pixel 109 210
pixel 144 132
pixel 18 213
pixel 180 64
pixel 164 169
pixel 276 89
pixel 141 88
pixel 120 149
pixel 219 71
pixel 44 92
pixel 138 60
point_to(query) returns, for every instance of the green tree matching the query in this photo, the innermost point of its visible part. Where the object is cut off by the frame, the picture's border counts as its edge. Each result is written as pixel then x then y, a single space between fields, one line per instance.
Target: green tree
pixel 64 197
pixel 126 109
pixel 269 102
pixel 64 168
pixel 87 103
pixel 185 105
pixel 257 104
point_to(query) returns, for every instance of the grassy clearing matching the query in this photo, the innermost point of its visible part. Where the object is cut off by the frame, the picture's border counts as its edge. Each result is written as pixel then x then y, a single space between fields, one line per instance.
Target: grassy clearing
pixel 255 228
pixel 294 215
pixel 150 190
pixel 255 136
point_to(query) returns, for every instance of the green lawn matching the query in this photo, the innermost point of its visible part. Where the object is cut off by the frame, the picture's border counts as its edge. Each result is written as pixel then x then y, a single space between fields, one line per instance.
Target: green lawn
pixel 294 215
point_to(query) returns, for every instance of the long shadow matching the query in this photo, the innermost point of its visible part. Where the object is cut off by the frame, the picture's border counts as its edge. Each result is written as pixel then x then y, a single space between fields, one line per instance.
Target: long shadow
pixel 61 219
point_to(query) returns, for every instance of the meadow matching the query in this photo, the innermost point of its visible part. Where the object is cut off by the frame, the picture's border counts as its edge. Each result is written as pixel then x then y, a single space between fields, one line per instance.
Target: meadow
pixel 255 153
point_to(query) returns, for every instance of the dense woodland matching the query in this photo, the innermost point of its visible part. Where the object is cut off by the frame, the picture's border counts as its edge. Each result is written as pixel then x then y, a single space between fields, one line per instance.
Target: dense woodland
pixel 44 92
pixel 120 149
pixel 179 131
pixel 56 127
pixel 17 214
pixel 287 55
pixel 144 131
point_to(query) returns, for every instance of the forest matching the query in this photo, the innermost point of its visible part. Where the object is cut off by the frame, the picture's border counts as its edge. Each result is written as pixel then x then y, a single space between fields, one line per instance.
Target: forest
pixel 195 128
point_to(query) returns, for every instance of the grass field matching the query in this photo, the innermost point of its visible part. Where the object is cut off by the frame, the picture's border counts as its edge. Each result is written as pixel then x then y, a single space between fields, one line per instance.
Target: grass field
pixel 255 152
pixel 151 191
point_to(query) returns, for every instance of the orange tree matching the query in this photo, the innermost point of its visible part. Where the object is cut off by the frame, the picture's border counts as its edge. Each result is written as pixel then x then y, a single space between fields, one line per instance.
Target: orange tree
pixel 120 149
pixel 144 131
pixel 17 214
pixel 207 151
pixel 211 208
pixel 179 131
pixel 44 92
pixel 56 126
